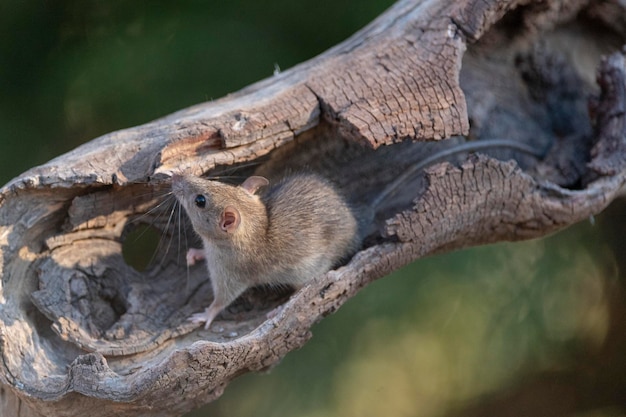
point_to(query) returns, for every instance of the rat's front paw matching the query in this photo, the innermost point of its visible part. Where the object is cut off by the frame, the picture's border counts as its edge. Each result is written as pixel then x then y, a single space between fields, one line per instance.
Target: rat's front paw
pixel 205 317
pixel 194 255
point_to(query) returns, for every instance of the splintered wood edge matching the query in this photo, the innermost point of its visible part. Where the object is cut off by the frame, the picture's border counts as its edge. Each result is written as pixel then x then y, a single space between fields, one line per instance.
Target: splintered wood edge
pixel 198 373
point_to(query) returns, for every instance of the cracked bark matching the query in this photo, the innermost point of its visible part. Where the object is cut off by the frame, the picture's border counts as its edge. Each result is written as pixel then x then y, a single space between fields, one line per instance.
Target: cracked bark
pixel 84 333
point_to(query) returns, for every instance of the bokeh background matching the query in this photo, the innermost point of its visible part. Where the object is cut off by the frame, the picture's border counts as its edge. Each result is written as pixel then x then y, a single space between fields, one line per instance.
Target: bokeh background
pixel 532 328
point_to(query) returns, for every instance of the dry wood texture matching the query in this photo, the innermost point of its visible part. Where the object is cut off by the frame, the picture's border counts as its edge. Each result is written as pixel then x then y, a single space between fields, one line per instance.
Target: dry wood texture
pixel 83 333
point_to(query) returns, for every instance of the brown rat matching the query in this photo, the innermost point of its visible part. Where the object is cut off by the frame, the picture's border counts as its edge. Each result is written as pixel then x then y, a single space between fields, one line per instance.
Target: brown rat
pixel 299 228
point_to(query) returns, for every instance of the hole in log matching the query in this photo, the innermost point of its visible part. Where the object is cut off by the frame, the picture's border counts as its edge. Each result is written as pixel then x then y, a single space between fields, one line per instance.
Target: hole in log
pixel 140 246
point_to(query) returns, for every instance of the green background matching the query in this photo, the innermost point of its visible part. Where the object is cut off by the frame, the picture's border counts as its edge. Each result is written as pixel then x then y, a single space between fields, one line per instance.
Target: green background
pixel 441 335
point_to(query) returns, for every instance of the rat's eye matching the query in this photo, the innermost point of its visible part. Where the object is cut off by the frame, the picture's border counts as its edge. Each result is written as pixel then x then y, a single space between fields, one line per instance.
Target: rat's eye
pixel 200 201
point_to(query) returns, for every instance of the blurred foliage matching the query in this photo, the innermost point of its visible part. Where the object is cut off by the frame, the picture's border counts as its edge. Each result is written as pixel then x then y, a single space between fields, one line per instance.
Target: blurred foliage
pixel 433 338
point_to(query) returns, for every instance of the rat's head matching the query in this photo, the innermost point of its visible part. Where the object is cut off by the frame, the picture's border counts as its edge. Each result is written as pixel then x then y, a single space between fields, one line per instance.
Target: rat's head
pixel 220 211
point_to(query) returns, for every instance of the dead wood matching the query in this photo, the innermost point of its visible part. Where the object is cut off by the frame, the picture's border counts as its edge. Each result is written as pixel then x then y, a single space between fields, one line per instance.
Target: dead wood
pixel 83 333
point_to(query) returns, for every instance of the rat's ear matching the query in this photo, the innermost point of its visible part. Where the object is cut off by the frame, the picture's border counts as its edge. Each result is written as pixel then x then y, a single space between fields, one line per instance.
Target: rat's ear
pixel 230 219
pixel 253 183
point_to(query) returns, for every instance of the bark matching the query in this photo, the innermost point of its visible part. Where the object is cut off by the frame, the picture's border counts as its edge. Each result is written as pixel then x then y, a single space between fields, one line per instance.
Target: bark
pixel 83 333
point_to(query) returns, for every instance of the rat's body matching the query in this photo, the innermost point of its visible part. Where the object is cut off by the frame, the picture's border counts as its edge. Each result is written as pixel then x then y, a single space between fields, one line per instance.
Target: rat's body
pixel 299 228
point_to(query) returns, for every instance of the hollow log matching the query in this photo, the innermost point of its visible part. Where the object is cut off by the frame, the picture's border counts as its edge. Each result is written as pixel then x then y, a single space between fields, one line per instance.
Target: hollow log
pixel 84 333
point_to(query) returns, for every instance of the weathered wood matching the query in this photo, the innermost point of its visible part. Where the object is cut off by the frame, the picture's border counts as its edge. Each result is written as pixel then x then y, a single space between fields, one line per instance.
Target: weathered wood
pixel 83 333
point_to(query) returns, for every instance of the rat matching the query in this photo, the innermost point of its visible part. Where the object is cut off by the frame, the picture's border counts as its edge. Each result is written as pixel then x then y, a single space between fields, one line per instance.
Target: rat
pixel 299 228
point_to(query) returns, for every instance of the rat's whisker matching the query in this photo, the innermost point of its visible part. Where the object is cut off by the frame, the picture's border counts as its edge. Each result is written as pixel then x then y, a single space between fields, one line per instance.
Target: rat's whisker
pixel 156 208
pixel 166 230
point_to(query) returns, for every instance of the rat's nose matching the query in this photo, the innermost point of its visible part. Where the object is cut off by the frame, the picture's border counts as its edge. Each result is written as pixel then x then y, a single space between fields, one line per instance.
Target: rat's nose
pixel 177 184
